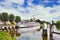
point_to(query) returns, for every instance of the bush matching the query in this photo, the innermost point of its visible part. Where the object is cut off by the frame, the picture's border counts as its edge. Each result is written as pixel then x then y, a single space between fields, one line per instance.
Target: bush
pixel 12 23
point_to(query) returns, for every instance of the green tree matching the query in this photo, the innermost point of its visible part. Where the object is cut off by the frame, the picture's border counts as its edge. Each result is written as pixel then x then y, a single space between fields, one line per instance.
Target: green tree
pixel 26 20
pixel 38 21
pixel 18 19
pixel 47 22
pixel 31 20
pixel 5 16
pixel 58 24
pixel 11 17
pixel 0 16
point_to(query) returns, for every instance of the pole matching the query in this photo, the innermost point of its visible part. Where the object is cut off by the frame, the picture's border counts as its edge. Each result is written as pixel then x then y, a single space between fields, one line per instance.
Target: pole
pixel 44 29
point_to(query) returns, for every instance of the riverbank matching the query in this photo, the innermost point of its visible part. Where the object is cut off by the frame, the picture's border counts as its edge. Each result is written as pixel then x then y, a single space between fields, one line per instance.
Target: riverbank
pixel 6 36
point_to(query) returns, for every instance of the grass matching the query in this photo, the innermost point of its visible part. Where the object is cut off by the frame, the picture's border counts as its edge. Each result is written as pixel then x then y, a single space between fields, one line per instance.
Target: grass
pixel 5 36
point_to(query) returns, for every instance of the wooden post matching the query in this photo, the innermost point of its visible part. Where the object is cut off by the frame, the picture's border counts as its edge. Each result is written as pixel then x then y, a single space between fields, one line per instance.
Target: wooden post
pixel 16 27
pixel 44 29
pixel 51 30
pixel 44 37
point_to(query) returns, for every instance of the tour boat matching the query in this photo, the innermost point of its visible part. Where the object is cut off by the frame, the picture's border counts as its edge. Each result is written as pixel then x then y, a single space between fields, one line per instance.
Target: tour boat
pixel 28 26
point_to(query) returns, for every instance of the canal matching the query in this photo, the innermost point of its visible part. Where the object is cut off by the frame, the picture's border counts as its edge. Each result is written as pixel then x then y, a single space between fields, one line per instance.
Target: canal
pixel 37 35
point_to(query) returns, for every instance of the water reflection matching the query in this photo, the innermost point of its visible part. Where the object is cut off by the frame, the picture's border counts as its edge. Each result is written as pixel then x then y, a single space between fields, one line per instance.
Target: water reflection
pixel 37 35
pixel 51 37
pixel 44 37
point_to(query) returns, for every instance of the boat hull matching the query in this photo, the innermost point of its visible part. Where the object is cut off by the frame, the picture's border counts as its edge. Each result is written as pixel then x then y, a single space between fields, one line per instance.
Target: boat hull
pixel 30 29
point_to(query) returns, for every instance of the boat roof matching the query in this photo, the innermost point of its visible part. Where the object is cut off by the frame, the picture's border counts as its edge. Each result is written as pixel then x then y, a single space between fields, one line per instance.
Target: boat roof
pixel 28 23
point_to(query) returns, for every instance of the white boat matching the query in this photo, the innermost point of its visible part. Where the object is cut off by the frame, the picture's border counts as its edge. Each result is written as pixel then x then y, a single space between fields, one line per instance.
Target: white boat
pixel 27 27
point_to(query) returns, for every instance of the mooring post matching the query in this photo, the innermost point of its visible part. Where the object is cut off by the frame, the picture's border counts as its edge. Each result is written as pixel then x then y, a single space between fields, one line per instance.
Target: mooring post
pixel 44 37
pixel 16 29
pixel 51 30
pixel 44 29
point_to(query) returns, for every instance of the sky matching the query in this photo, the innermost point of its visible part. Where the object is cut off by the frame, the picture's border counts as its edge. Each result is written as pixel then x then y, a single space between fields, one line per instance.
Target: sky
pixel 46 10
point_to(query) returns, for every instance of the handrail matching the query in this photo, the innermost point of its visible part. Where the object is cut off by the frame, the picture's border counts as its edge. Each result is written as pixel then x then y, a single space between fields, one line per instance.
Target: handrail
pixel 56 33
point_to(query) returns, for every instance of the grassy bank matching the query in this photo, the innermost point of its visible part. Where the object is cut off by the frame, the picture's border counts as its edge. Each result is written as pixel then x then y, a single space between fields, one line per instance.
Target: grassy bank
pixel 5 36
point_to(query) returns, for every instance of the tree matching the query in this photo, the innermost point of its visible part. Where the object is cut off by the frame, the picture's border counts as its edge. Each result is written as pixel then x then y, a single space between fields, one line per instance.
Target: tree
pixel 47 22
pixel 4 16
pixel 31 20
pixel 18 19
pixel 0 16
pixel 26 20
pixel 11 17
pixel 58 24
pixel 38 21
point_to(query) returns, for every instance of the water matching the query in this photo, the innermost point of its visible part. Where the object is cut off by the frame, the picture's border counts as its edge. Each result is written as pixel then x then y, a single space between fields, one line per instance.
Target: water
pixel 31 36
pixel 37 35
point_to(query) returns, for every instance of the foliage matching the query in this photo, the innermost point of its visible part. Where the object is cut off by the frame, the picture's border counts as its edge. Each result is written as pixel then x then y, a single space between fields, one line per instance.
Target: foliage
pixel 38 21
pixel 5 16
pixel 11 17
pixel 0 16
pixel 18 19
pixel 47 22
pixel 58 24
pixel 31 20
pixel 26 20
pixel 5 36
pixel 12 22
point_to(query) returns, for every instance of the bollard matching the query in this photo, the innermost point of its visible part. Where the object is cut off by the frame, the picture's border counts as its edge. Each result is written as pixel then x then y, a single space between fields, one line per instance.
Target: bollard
pixel 2 28
pixel 44 29
pixel 9 30
pixel 5 29
pixel 44 32
pixel 44 38
pixel 16 27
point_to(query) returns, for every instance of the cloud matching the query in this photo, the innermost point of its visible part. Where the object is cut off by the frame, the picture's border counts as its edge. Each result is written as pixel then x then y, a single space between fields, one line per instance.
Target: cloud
pixel 26 9
pixel 20 12
pixel 16 1
pixel 43 13
pixel 2 0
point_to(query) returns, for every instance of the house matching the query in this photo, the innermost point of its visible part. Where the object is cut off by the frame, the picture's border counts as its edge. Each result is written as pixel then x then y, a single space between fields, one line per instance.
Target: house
pixel 8 22
pixel 1 23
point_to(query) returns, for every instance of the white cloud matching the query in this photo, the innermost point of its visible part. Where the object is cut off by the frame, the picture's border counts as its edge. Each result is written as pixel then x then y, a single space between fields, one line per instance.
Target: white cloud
pixel 15 12
pixel 38 11
pixel 44 13
pixel 16 1
pixel 10 11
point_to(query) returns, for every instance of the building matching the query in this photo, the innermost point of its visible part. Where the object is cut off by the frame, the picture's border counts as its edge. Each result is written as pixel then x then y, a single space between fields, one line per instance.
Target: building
pixel 1 23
